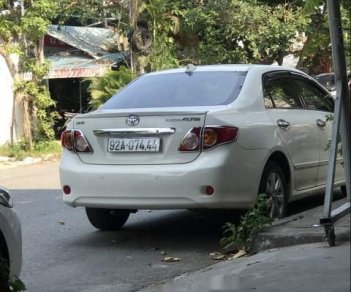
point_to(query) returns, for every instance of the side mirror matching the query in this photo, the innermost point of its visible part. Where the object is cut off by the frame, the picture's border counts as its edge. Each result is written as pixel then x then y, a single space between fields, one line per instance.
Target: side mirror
pixel 5 198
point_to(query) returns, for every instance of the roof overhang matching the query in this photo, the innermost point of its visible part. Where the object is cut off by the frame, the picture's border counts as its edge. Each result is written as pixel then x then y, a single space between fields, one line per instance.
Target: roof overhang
pixel 94 41
pixel 81 67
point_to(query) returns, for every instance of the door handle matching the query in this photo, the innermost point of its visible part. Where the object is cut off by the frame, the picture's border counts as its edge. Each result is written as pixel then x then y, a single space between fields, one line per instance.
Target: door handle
pixel 283 124
pixel 320 123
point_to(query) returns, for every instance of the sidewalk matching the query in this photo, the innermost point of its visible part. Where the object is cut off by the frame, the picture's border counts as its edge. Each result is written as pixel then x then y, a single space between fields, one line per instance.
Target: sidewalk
pixel 294 256
pixel 306 268
pixel 302 228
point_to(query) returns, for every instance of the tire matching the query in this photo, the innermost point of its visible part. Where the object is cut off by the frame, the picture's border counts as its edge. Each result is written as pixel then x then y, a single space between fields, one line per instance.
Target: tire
pixel 273 184
pixel 343 191
pixel 4 273
pixel 107 219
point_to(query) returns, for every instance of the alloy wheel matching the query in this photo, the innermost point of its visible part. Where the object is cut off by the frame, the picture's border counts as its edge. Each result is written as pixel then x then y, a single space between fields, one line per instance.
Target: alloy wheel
pixel 276 195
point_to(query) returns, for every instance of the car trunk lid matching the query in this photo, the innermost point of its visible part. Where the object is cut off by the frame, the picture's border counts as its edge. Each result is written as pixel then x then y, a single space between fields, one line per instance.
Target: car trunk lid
pixel 144 137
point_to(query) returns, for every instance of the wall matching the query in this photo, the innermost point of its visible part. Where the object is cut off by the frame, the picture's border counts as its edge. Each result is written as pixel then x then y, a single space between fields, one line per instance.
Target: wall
pixel 6 105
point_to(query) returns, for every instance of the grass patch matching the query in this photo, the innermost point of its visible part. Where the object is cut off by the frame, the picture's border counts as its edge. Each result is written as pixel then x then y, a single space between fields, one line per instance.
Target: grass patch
pixel 15 285
pixel 239 237
pixel 21 150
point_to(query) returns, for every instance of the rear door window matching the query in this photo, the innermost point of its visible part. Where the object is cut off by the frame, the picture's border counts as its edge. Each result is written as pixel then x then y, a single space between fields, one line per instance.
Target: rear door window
pixel 280 93
pixel 314 98
pixel 179 90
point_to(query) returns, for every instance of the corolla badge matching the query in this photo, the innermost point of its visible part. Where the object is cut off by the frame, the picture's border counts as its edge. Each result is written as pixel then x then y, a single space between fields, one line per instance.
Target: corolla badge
pixel 132 120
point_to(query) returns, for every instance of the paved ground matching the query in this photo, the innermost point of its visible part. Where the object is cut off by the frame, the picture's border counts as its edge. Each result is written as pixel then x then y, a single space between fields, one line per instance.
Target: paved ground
pixel 298 259
pixel 305 268
pixel 294 257
pixel 62 252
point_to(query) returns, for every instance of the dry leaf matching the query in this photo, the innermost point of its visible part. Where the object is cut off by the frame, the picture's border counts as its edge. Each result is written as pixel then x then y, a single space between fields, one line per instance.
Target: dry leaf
pixel 239 254
pixel 170 259
pixel 217 256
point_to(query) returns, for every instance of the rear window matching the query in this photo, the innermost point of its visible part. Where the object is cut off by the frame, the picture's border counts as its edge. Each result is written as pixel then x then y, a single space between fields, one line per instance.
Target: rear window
pixel 328 81
pixel 179 90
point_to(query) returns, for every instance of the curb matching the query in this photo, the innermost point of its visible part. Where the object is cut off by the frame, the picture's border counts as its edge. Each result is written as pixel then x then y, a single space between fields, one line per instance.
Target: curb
pixel 296 236
pixel 8 162
pixel 295 231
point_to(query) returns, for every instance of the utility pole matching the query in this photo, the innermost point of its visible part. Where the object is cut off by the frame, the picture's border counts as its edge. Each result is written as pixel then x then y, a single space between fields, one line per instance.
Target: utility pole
pixel 341 122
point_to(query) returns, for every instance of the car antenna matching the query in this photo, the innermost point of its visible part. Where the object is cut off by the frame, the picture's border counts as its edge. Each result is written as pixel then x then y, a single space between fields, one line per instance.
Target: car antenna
pixel 190 69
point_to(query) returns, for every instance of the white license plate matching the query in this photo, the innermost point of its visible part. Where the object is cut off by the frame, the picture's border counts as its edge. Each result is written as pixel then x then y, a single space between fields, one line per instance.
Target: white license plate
pixel 133 145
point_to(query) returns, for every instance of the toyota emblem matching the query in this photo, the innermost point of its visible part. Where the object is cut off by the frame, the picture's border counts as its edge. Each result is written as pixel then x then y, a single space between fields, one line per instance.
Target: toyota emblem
pixel 132 120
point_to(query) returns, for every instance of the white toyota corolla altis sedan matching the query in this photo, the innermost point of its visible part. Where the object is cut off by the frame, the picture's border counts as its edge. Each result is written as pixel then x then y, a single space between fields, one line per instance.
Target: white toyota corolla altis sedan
pixel 10 240
pixel 200 137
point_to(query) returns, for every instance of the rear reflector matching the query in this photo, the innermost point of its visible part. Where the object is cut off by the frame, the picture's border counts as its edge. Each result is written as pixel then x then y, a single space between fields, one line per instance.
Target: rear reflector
pixel 210 190
pixel 206 138
pixel 66 190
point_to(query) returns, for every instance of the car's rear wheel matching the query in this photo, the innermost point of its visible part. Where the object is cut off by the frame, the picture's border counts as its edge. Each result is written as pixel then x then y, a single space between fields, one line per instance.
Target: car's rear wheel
pixel 4 272
pixel 107 219
pixel 273 184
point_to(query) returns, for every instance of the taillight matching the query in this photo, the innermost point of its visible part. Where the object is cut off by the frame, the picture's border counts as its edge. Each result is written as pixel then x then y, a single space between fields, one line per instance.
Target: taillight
pixel 191 141
pixel 74 140
pixel 67 139
pixel 218 135
pixel 206 138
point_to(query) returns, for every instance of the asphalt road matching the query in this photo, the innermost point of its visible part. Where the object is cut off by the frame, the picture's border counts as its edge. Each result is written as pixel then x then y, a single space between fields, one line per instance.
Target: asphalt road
pixel 63 252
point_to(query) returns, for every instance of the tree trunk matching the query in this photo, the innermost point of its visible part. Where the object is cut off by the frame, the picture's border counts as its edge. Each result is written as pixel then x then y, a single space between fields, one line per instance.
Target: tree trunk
pixel 13 120
pixel 13 71
pixel 302 53
pixel 280 58
pixel 27 126
pixel 41 57
pixel 133 18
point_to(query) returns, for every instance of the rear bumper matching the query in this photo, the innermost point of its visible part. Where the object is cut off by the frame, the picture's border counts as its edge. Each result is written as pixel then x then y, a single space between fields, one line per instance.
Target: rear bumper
pixel 11 228
pixel 169 186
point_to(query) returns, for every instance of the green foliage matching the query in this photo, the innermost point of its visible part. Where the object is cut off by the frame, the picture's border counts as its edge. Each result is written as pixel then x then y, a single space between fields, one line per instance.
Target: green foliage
pixel 17 286
pixel 17 150
pixel 20 31
pixel 318 46
pixel 42 114
pixel 236 237
pixel 236 31
pixel 21 149
pixel 163 25
pixel 102 88
pixel 87 12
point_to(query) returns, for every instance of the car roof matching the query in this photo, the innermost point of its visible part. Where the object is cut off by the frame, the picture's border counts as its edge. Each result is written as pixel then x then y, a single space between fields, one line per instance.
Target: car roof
pixel 324 74
pixel 222 67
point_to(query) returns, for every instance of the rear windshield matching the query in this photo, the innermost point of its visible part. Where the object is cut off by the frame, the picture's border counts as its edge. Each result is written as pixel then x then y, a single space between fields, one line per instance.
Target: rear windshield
pixel 179 89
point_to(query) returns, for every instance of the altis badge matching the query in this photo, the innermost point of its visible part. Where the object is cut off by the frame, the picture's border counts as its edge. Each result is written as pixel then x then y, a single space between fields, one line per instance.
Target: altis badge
pixel 186 119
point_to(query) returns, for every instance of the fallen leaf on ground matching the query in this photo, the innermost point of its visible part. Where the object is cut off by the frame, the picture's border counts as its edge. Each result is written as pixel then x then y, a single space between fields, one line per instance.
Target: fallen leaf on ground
pixel 254 263
pixel 171 259
pixel 239 254
pixel 217 256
